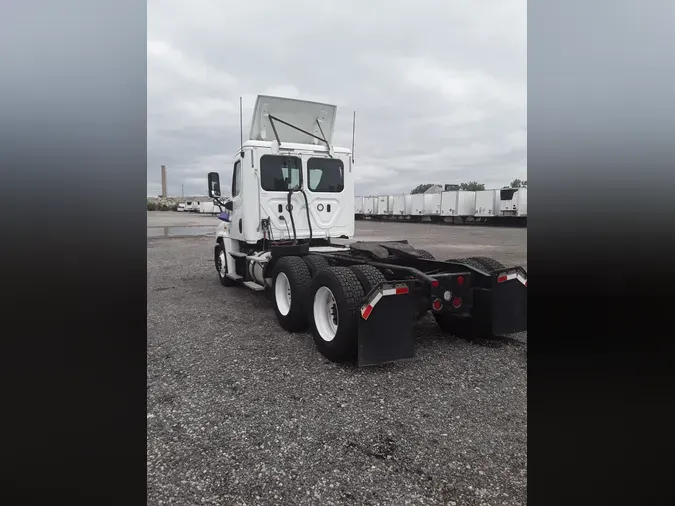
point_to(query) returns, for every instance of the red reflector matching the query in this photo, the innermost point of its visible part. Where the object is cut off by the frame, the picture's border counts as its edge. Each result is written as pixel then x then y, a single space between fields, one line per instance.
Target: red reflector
pixel 401 290
pixel 456 302
pixel 460 280
pixel 437 305
pixel 435 283
pixel 367 311
pixel 501 279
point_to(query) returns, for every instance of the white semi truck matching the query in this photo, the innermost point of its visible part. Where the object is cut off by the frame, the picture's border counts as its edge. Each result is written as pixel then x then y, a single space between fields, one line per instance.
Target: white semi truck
pixel 292 197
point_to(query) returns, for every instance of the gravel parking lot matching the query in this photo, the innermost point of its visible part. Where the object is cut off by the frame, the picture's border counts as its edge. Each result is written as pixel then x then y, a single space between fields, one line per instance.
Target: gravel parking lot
pixel 242 412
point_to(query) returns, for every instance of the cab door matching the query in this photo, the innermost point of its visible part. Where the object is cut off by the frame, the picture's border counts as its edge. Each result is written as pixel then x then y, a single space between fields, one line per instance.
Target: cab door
pixel 236 215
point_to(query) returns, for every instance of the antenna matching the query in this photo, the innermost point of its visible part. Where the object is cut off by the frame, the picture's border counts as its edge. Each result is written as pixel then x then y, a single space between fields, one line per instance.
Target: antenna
pixel 241 125
pixel 353 134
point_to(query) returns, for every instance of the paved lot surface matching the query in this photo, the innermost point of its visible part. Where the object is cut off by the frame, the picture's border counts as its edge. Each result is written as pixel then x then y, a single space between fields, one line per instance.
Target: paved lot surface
pixel 242 412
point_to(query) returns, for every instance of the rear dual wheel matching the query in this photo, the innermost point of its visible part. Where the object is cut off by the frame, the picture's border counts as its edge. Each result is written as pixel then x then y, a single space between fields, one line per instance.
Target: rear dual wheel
pixel 290 284
pixel 483 263
pixel 425 254
pixel 315 262
pixel 335 294
pixel 308 292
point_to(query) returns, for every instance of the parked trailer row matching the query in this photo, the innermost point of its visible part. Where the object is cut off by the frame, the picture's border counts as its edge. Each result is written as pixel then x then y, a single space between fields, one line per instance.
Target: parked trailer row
pixel 510 202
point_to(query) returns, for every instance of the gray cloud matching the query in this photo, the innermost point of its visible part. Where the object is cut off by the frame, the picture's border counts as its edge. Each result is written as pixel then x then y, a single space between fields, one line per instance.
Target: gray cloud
pixel 439 88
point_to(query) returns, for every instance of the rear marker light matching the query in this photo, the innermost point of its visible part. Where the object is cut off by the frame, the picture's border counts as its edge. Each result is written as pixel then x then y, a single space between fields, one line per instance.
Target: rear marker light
pixel 456 302
pixel 460 280
pixel 435 283
pixel 437 305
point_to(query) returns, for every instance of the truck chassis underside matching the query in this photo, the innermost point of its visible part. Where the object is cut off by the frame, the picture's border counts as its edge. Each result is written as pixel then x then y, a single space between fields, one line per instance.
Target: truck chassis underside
pixel 379 289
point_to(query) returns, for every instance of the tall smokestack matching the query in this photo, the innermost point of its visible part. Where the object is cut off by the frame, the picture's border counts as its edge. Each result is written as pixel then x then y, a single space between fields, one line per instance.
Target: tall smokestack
pixel 164 181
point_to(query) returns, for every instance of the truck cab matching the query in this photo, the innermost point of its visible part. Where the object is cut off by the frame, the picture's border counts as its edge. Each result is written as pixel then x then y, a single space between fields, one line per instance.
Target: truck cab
pixel 290 187
pixel 294 185
pixel 321 198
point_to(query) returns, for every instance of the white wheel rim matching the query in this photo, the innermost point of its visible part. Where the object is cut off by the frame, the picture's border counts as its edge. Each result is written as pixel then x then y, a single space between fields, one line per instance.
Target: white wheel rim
pixel 282 293
pixel 223 264
pixel 326 317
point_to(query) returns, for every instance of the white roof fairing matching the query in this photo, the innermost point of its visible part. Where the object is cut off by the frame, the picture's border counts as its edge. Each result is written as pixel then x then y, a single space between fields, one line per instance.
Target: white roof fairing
pixel 300 113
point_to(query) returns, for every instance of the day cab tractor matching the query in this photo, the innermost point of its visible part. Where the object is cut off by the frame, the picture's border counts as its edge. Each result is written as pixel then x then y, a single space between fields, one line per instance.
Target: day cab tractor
pixel 284 230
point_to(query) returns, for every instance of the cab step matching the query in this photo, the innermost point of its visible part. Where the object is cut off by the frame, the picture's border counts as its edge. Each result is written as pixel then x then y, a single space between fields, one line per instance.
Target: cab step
pixel 253 286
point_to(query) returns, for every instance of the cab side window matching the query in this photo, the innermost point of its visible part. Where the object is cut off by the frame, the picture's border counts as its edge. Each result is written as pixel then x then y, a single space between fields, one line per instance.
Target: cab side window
pixel 236 179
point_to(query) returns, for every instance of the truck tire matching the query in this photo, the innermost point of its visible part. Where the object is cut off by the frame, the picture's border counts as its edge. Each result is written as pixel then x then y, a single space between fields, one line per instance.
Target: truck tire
pixel 369 276
pixel 470 262
pixel 289 290
pixel 220 260
pixel 489 263
pixel 425 254
pixel 314 263
pixel 334 302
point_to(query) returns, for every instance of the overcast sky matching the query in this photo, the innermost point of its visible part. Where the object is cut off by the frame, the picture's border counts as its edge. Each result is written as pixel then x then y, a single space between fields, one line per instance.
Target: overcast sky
pixel 439 87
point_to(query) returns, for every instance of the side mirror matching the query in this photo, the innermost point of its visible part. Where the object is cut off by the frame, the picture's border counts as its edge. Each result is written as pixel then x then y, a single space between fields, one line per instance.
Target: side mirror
pixel 214 185
pixel 228 205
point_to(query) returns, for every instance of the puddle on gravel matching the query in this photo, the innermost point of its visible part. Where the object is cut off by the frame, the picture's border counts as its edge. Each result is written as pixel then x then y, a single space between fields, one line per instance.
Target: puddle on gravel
pixel 197 230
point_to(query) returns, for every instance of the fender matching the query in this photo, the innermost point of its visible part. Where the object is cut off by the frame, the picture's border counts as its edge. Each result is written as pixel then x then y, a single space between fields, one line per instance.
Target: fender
pixel 230 245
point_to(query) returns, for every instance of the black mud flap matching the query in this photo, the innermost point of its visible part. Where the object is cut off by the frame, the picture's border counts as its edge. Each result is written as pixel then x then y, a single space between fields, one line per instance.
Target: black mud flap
pixel 509 302
pixel 388 333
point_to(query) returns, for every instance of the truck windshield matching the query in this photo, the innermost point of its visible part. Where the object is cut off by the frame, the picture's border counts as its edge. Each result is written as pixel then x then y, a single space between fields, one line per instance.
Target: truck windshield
pixel 326 175
pixel 280 173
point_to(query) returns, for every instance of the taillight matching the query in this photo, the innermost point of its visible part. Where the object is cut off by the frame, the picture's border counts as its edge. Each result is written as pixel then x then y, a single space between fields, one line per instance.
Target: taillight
pixel 456 302
pixel 460 280
pixel 436 305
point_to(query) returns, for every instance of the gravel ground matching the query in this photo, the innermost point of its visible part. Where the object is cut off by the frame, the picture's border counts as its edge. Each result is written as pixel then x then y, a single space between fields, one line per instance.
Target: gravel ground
pixel 242 412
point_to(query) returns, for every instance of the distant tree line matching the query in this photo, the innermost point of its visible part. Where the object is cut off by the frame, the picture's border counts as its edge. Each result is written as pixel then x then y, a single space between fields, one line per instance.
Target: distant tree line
pixel 471 186
pixel 161 206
